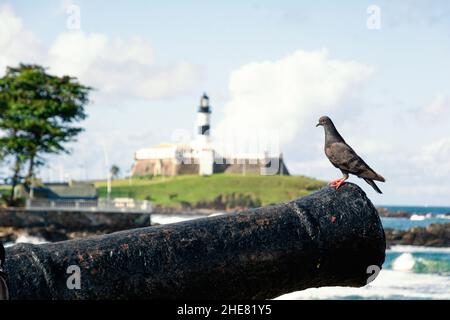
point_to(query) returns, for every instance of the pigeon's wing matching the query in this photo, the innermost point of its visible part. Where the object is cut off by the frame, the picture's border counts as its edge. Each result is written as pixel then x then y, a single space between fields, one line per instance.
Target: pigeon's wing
pixel 345 158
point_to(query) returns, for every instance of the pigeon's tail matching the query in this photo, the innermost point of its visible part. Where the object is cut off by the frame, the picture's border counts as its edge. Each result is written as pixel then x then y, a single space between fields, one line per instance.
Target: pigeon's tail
pixel 379 178
pixel 373 185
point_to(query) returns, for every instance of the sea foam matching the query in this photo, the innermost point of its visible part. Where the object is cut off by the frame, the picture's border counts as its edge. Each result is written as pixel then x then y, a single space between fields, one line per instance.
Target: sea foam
pixel 404 262
pixel 390 284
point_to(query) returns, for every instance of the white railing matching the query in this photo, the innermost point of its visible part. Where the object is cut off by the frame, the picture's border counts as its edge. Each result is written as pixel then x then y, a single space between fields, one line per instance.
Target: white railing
pixel 115 205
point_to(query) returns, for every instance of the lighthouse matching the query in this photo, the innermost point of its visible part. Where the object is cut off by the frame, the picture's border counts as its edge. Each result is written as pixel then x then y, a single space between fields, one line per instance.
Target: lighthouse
pixel 203 121
pixel 205 152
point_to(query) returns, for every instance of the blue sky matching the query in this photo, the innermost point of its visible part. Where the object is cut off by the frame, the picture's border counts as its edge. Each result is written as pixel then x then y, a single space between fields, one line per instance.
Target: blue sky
pixel 389 87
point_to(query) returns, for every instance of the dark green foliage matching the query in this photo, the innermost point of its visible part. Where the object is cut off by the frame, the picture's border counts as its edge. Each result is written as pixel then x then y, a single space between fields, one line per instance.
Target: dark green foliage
pixel 173 196
pixel 38 115
pixel 231 201
pixel 115 171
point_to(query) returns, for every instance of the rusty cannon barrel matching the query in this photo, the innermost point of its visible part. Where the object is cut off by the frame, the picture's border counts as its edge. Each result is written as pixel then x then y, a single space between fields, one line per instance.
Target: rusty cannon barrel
pixel 329 238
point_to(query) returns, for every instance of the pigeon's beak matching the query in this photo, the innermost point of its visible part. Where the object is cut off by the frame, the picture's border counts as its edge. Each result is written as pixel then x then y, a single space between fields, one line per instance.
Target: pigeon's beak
pixel 319 124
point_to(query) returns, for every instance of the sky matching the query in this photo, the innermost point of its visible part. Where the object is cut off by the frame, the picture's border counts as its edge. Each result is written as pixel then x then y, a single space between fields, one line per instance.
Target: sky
pixel 379 69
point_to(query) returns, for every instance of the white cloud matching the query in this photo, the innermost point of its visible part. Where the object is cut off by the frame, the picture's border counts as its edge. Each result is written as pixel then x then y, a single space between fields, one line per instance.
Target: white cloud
pixel 290 94
pixel 119 67
pixel 122 68
pixel 429 189
pixel 16 44
pixel 434 159
pixel 437 110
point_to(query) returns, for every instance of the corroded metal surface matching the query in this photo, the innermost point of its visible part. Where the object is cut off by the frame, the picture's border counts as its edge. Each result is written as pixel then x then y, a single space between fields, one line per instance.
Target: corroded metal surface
pixel 72 221
pixel 328 238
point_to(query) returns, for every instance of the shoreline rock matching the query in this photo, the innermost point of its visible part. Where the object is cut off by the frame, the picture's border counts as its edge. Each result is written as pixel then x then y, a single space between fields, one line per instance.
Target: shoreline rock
pixel 434 235
pixel 57 226
pixel 385 213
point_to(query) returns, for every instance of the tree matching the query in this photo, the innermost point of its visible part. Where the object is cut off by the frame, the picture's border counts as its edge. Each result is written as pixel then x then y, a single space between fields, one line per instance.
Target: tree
pixel 38 113
pixel 115 171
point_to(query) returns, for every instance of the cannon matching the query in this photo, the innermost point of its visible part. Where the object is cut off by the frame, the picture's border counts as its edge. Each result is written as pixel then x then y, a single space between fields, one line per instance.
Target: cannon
pixel 329 238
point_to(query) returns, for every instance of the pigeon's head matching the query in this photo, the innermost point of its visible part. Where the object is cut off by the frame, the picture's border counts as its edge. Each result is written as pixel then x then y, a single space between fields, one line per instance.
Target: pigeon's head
pixel 324 121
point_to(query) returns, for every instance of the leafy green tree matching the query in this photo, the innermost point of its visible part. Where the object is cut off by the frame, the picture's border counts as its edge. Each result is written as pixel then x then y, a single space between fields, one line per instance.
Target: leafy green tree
pixel 38 115
pixel 115 171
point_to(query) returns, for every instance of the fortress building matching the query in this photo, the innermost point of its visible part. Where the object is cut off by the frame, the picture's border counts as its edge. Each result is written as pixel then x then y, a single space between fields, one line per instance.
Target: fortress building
pixel 201 158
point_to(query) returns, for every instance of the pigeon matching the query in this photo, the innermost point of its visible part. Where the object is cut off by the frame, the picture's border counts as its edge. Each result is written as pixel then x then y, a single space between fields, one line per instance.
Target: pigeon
pixel 343 157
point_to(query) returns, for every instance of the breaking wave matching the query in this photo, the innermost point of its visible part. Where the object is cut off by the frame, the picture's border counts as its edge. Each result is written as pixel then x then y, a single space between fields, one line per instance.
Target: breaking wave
pixel 26 238
pixel 422 263
pixel 167 219
pixel 389 284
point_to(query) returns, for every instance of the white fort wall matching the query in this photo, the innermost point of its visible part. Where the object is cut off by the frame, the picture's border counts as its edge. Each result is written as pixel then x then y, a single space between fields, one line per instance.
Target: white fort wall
pixel 156 153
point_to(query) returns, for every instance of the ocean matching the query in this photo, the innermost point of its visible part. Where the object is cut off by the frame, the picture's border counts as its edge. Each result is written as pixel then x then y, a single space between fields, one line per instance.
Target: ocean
pixel 422 217
pixel 409 272
pixel 418 209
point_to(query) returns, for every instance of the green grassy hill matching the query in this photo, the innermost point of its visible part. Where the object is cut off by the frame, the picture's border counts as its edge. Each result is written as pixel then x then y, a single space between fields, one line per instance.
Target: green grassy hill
pixel 194 190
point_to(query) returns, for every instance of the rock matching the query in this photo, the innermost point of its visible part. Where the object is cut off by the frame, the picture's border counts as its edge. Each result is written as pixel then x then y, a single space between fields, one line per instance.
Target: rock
pixel 383 212
pixel 434 235
pixel 63 225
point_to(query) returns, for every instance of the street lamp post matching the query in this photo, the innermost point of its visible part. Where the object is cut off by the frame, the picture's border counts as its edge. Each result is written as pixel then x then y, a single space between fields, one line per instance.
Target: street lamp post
pixel 108 172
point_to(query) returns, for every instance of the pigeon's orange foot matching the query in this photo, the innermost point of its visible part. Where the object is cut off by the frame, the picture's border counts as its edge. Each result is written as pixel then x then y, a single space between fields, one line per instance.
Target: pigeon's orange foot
pixel 340 183
pixel 337 183
pixel 334 183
